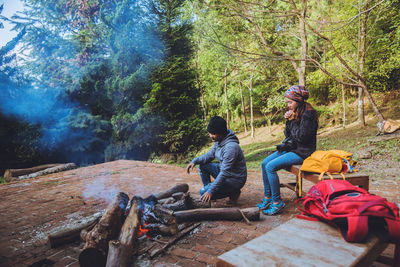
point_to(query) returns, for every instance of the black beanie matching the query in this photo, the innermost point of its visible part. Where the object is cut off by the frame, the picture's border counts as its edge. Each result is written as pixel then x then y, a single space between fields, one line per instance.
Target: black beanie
pixel 217 125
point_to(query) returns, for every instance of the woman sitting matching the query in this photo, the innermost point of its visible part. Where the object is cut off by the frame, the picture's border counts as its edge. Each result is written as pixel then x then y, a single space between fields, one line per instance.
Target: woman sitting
pixel 300 142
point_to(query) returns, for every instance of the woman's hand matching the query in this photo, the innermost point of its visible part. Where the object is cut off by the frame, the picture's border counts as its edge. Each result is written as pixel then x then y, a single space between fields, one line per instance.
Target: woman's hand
pixel 288 114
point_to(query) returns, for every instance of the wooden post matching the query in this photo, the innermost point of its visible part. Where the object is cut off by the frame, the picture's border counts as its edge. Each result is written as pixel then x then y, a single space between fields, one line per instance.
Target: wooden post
pixel 94 252
pixel 120 251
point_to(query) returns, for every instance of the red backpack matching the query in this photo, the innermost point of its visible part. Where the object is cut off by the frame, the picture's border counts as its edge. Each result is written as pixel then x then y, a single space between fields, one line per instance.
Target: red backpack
pixel 352 209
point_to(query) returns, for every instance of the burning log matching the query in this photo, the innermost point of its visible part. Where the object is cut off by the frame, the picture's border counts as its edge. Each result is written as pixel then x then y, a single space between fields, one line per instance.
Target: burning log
pixel 120 251
pixel 161 229
pixel 58 168
pixel 183 204
pixel 168 200
pixel 187 203
pixel 175 189
pixel 69 234
pixel 95 249
pixel 11 174
pixel 232 214
pixel 178 195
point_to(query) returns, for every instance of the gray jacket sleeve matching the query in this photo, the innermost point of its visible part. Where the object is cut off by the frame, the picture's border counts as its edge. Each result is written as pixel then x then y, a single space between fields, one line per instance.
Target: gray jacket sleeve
pixel 229 156
pixel 207 157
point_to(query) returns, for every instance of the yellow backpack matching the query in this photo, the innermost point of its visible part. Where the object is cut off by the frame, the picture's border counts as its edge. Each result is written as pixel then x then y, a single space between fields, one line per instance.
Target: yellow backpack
pixel 327 162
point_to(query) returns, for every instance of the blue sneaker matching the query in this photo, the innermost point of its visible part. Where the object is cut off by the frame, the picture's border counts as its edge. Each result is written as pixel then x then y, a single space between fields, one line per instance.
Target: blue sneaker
pixel 274 208
pixel 265 203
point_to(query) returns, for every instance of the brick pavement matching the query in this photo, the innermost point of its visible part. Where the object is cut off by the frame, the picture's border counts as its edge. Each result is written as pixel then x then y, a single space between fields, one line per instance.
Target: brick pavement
pixel 30 209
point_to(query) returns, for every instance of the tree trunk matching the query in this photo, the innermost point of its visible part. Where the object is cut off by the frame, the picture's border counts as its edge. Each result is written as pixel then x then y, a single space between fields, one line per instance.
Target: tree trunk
pixel 344 107
pixel 243 108
pixel 199 85
pixel 251 105
pixel 95 249
pixel 226 98
pixel 362 54
pixel 232 214
pixel 120 251
pixel 304 45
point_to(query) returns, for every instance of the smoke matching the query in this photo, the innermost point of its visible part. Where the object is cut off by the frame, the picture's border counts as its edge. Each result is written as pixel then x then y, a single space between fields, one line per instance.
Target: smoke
pixel 55 65
pixel 101 189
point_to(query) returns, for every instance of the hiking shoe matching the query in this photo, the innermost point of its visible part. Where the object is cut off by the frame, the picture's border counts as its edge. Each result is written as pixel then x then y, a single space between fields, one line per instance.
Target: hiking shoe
pixel 274 208
pixel 233 198
pixel 265 203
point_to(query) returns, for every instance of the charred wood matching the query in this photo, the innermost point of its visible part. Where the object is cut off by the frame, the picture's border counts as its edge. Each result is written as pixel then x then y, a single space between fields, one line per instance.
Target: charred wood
pixel 232 214
pixel 120 251
pixel 183 204
pixel 178 195
pixel 156 251
pixel 95 249
pixel 71 233
pixel 177 188
pixel 162 229
pixel 168 200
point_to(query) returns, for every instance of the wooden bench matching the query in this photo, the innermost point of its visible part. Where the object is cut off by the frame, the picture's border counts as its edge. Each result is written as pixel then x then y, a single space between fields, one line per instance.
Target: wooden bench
pixel 305 243
pixel 354 178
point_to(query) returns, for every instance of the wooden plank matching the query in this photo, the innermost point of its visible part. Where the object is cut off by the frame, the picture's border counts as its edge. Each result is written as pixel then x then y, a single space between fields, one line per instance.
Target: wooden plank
pixel 355 178
pixel 302 243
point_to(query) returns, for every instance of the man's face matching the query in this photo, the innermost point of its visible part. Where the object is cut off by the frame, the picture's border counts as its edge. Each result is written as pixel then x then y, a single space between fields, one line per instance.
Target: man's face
pixel 215 137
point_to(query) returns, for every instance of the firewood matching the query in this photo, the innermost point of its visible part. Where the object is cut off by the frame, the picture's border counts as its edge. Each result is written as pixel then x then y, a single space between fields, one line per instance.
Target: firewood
pixel 95 249
pixel 187 203
pixel 154 252
pixel 58 168
pixel 120 251
pixel 198 204
pixel 178 195
pixel 183 204
pixel 70 233
pixel 177 188
pixel 162 229
pixel 9 174
pixel 165 216
pixel 168 200
pixel 232 214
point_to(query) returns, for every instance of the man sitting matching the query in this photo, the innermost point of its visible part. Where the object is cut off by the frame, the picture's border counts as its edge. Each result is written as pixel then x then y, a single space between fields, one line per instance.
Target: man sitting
pixel 230 173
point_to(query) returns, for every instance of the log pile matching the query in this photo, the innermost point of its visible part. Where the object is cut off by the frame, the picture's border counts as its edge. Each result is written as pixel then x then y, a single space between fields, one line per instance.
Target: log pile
pixel 11 175
pixel 136 226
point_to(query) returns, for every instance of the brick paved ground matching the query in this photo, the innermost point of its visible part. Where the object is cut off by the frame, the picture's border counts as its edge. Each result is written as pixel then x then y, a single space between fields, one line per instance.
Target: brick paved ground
pixel 30 209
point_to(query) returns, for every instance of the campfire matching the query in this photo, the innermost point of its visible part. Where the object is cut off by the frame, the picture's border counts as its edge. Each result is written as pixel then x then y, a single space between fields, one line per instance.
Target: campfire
pixel 144 226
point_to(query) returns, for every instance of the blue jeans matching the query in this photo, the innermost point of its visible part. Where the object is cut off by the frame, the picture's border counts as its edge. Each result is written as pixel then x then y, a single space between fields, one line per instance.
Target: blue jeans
pixel 270 165
pixel 212 169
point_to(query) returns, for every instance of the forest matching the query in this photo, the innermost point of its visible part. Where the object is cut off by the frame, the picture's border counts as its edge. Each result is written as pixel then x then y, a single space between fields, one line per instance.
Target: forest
pixel 89 81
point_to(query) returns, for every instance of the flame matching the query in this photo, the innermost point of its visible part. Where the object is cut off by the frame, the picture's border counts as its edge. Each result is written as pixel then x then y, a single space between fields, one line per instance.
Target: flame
pixel 142 230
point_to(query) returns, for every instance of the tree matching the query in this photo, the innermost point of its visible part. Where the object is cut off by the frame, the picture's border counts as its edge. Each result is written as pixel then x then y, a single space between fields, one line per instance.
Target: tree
pixel 174 96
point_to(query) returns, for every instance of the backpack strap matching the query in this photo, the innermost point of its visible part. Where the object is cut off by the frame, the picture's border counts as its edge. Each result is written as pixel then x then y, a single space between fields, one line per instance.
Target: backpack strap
pixel 321 175
pixel 299 183
pixel 393 229
pixel 357 228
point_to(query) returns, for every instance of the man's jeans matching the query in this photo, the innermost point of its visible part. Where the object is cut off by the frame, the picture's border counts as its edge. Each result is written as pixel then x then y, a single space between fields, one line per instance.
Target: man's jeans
pixel 212 169
pixel 270 165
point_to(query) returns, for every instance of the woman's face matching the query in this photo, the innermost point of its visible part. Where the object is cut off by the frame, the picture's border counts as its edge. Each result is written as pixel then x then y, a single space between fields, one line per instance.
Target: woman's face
pixel 291 104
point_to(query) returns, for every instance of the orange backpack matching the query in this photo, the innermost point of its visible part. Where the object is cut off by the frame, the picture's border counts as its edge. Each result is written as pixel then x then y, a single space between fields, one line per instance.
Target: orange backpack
pixel 327 162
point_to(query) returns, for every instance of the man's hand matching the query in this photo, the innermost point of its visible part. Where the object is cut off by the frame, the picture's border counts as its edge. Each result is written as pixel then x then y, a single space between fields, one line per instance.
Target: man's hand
pixel 206 197
pixel 189 167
